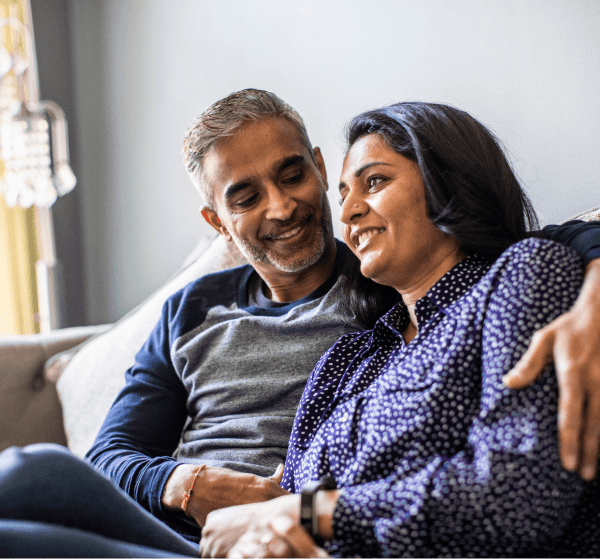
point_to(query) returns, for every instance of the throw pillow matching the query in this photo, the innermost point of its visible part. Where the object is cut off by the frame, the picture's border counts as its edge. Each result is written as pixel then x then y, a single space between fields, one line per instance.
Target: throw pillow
pixel 95 373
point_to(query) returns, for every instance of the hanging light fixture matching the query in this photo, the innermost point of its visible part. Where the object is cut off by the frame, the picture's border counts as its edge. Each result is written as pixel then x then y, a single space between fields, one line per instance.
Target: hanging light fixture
pixel 33 139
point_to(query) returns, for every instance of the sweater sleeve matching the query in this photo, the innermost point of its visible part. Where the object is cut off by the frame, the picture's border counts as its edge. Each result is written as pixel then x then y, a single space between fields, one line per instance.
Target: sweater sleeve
pixel 583 237
pixel 144 425
pixel 505 492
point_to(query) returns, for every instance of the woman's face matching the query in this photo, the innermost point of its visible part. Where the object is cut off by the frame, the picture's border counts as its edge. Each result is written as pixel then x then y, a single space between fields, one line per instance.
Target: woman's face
pixel 384 212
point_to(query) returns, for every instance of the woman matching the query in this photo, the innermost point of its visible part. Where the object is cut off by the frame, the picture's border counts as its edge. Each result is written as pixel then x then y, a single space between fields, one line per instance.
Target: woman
pixel 429 453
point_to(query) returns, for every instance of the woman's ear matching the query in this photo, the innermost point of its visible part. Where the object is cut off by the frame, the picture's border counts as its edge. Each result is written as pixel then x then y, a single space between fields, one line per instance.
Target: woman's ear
pixel 212 218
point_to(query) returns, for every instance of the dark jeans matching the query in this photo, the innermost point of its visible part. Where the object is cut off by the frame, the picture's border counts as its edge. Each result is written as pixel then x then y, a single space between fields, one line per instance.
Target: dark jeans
pixel 52 504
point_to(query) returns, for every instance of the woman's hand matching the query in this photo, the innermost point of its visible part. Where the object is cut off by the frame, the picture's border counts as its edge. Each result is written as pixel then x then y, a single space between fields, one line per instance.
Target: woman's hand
pixel 572 342
pixel 270 529
pixel 279 537
pixel 225 527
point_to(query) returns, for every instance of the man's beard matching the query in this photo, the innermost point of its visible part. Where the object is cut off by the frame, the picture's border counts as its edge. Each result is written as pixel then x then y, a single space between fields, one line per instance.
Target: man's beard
pixel 290 264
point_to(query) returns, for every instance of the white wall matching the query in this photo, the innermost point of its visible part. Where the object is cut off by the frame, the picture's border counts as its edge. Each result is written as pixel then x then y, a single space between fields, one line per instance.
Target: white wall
pixel 529 69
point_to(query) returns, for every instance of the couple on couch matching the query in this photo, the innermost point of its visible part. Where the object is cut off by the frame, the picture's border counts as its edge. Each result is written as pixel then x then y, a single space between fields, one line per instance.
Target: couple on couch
pixel 405 441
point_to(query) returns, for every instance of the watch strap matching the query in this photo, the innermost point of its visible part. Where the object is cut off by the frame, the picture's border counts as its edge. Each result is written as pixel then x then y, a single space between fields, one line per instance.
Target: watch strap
pixel 308 512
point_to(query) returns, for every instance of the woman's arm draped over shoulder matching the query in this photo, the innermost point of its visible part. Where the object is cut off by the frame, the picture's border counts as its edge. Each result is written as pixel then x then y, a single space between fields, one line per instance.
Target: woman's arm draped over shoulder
pixel 572 342
pixel 506 492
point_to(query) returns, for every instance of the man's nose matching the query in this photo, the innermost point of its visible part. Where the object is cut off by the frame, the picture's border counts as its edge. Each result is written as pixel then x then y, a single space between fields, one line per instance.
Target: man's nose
pixel 281 205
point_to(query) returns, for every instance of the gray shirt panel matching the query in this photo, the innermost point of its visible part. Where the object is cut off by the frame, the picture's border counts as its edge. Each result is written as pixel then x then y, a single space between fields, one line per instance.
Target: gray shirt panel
pixel 245 374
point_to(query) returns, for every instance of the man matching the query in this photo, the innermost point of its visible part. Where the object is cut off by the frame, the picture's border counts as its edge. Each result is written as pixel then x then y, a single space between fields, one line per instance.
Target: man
pixel 233 350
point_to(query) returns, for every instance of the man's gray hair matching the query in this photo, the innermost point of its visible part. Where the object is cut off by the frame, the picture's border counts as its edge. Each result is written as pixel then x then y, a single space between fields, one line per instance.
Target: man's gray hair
pixel 224 118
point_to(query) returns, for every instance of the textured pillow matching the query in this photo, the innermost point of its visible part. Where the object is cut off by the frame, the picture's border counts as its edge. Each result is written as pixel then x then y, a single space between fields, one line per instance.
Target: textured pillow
pixel 589 215
pixel 94 375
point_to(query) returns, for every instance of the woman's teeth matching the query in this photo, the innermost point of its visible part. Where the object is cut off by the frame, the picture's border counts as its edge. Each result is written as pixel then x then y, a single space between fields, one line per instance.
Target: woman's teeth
pixel 367 235
pixel 288 234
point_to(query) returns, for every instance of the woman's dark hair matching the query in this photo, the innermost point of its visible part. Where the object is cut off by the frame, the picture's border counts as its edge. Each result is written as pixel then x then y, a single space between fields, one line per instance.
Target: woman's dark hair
pixel 471 190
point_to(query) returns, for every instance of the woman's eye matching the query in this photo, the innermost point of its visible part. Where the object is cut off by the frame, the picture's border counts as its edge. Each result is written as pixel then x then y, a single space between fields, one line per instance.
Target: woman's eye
pixel 341 201
pixel 374 180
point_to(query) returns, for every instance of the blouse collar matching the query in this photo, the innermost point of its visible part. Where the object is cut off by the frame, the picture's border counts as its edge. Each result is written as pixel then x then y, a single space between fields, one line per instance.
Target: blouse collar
pixel 446 291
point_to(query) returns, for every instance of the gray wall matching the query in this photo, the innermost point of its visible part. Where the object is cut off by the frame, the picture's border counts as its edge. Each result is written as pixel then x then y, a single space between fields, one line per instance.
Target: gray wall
pixel 143 69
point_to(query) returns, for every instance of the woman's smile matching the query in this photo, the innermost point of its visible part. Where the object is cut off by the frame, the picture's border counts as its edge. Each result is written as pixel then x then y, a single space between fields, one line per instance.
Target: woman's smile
pixel 361 237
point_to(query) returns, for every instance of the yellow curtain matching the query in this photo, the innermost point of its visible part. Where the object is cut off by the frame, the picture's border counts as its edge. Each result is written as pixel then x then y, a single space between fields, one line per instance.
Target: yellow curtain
pixel 18 254
pixel 18 247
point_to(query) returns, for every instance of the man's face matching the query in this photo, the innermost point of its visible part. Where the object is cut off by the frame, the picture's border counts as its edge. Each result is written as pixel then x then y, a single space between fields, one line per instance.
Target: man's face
pixel 270 196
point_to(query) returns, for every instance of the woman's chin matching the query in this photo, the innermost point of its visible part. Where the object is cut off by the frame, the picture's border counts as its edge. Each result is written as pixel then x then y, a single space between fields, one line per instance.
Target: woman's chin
pixel 370 270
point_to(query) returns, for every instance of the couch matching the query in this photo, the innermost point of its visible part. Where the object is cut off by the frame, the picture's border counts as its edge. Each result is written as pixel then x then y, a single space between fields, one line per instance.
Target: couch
pixel 58 387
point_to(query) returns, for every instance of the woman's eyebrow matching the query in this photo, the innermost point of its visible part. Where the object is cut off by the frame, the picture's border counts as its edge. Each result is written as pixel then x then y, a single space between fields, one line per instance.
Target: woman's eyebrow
pixel 362 169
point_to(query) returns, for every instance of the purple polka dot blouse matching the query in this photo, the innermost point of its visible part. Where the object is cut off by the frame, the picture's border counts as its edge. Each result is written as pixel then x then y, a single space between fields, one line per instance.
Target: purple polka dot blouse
pixel 433 455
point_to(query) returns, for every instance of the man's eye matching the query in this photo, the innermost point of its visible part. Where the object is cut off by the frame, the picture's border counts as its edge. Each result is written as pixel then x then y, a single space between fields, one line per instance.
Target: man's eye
pixel 247 201
pixel 293 178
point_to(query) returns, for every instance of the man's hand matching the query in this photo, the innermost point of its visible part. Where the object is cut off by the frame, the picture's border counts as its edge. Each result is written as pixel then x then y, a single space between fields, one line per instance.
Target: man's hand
pixel 279 537
pixel 270 529
pixel 258 530
pixel 224 527
pixel 572 342
pixel 216 488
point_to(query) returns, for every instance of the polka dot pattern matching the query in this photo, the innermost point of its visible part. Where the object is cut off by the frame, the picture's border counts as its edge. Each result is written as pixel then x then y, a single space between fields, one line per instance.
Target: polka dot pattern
pixel 433 455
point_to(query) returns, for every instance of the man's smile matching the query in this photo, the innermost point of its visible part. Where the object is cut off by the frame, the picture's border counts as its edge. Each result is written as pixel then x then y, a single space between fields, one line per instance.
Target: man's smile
pixel 289 232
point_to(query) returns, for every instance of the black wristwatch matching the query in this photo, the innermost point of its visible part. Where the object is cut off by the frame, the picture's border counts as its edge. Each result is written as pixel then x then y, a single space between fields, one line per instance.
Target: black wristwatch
pixel 308 512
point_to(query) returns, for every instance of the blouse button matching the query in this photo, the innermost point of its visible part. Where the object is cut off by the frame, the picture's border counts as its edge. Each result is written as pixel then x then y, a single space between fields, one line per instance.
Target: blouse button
pixel 345 417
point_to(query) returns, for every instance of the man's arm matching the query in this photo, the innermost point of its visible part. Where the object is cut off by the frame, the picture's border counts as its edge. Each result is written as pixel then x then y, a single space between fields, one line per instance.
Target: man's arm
pixel 199 490
pixel 144 425
pixel 572 342
pixel 142 430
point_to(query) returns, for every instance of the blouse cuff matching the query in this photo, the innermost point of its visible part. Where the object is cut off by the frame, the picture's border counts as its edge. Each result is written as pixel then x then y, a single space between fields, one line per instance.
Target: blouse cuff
pixel 353 526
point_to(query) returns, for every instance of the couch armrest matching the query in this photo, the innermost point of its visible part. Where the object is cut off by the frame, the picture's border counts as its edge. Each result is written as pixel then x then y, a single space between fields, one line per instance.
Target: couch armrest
pixel 29 407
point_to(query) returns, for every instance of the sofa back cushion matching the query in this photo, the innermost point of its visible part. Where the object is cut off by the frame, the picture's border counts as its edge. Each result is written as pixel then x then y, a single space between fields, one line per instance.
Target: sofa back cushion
pixel 95 373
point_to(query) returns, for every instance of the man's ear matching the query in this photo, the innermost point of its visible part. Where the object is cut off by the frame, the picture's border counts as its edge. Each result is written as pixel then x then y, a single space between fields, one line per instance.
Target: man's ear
pixel 214 221
pixel 321 166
